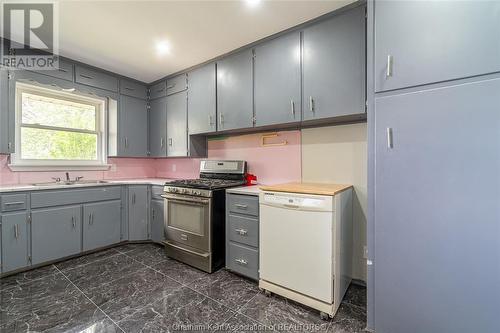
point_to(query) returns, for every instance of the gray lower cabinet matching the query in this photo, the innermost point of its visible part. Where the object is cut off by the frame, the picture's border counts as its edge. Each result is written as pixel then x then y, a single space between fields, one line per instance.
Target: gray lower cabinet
pixel 242 235
pixel 133 127
pixel 158 127
pixel 277 81
pixel 55 233
pixel 101 224
pixel 177 143
pixel 334 67
pixel 6 142
pixel 157 226
pixel 437 189
pixel 235 91
pixel 138 212
pixel 202 105
pixel 14 241
pixel 458 39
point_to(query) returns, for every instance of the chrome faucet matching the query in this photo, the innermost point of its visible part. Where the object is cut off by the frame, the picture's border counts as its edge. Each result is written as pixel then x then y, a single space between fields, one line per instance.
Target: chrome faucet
pixel 67 177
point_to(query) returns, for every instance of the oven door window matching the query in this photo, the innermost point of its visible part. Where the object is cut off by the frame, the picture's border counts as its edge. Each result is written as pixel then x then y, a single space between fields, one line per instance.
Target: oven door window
pixel 188 217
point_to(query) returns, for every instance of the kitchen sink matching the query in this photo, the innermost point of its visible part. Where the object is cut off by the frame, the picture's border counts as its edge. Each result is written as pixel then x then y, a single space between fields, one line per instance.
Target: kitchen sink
pixel 74 182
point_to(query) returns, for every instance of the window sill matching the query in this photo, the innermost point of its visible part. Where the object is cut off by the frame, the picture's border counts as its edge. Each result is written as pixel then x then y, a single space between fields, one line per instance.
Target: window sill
pixel 27 168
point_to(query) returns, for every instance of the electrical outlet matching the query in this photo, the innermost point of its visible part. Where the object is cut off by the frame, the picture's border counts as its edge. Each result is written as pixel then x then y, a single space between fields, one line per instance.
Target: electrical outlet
pixel 365 252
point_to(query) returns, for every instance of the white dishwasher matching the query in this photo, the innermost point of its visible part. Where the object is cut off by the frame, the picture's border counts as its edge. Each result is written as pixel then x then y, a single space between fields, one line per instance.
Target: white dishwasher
pixel 304 247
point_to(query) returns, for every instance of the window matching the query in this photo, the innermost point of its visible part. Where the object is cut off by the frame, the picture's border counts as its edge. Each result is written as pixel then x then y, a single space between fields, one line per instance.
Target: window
pixel 55 128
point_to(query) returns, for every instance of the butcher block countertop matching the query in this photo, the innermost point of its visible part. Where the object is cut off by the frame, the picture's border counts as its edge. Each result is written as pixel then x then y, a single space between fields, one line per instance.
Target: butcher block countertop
pixel 308 188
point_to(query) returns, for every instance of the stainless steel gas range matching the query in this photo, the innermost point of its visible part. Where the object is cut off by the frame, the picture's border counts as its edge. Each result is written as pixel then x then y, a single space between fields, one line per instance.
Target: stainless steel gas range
pixel 195 214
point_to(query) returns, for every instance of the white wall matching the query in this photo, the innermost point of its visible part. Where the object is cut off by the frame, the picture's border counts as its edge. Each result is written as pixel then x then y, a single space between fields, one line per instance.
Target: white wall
pixel 338 154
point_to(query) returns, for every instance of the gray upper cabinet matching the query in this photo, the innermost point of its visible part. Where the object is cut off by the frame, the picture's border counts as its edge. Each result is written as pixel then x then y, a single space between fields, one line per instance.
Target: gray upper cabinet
pixel 428 226
pixel 14 241
pixel 177 124
pixel 277 81
pixel 64 72
pixel 101 224
pixel 235 91
pixel 157 228
pixel 133 120
pixel 55 233
pixel 158 127
pixel 6 145
pixel 202 107
pixel 133 88
pixel 431 41
pixel 95 78
pixel 176 84
pixel 334 66
pixel 138 212
pixel 158 90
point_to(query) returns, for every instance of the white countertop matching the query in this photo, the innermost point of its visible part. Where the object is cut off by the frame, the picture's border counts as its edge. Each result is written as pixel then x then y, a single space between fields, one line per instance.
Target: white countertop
pixel 29 187
pixel 248 190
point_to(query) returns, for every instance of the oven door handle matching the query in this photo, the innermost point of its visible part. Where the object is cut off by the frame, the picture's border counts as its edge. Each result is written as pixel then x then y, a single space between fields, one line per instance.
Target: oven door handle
pixel 204 254
pixel 186 199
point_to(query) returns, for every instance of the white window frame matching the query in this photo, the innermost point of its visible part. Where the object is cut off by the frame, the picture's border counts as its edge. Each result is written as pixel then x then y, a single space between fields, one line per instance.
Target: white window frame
pixel 19 164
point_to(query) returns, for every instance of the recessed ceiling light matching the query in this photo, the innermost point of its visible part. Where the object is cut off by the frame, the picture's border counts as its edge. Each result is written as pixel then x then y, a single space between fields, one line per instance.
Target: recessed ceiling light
pixel 252 3
pixel 162 48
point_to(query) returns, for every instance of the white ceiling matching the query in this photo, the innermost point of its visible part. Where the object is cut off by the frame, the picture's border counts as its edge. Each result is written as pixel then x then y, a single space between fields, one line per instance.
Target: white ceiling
pixel 120 36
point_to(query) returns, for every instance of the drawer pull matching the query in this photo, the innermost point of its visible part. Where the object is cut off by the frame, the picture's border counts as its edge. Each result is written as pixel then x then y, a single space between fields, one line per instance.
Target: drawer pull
pixel 87 76
pixel 241 206
pixel 241 232
pixel 241 262
pixel 14 203
pixel 184 237
pixel 129 89
pixel 73 223
pixel 16 231
pixel 62 70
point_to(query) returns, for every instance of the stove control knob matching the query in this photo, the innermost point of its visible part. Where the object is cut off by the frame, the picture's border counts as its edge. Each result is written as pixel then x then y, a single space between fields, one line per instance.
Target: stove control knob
pixel 184 190
pixel 197 192
pixel 173 190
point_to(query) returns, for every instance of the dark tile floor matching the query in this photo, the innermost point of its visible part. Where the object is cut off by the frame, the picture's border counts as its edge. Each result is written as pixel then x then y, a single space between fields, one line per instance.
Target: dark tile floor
pixel 136 288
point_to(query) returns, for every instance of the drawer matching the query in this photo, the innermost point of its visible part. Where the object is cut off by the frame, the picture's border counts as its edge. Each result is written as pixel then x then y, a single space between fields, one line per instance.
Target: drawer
pixel 132 88
pixel 95 78
pixel 64 72
pixel 243 260
pixel 243 204
pixel 158 90
pixel 74 196
pixel 156 192
pixel 243 229
pixel 176 84
pixel 13 202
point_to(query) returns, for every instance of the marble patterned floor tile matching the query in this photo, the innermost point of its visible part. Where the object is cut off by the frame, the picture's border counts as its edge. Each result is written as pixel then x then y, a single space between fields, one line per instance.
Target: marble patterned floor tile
pixel 183 310
pixel 132 246
pixel 242 324
pixel 227 288
pixel 355 295
pixel 129 294
pixel 148 254
pixel 26 277
pixel 283 315
pixel 103 271
pixel 348 319
pixel 178 271
pixel 86 259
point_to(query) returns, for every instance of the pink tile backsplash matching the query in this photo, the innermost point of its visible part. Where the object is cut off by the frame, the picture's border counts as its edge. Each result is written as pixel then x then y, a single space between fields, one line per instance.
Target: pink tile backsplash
pixel 273 164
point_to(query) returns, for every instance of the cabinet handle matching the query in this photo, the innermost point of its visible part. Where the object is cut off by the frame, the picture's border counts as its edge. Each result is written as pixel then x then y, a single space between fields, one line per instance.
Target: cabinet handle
pixel 62 70
pixel 210 120
pixel 221 120
pixel 311 104
pixel 133 199
pixel 87 76
pixel 170 86
pixel 292 107
pixel 388 72
pixel 241 262
pixel 170 142
pixel 130 89
pixel 241 232
pixel 153 217
pixel 126 142
pixel 9 146
pixel 13 203
pixel 241 206
pixel 184 237
pixel 16 231
pixel 162 142
pixel 73 223
pixel 390 143
pixel 90 219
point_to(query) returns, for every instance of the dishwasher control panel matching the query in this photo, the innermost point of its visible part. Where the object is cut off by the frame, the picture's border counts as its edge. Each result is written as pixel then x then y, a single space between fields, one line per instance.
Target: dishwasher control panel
pixel 297 201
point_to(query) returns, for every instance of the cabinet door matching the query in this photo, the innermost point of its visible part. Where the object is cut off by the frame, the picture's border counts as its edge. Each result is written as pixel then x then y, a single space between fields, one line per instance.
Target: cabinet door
pixel 177 124
pixel 4 112
pixel 133 89
pixel 334 66
pixel 157 226
pixel 437 213
pixel 158 90
pixel 176 84
pixel 277 81
pixel 14 241
pixel 101 224
pixel 158 127
pixel 55 233
pixel 202 115
pixel 95 78
pixel 138 212
pixel 431 41
pixel 133 127
pixel 235 91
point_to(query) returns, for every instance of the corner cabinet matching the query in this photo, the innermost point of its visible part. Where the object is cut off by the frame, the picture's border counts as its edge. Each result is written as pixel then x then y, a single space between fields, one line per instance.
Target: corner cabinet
pixel 334 53
pixel 235 91
pixel 202 105
pixel 138 228
pixel 133 127
pixel 158 127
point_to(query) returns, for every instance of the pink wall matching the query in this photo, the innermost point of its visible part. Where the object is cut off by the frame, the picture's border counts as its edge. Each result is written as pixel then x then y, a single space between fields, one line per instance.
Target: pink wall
pixel 274 164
